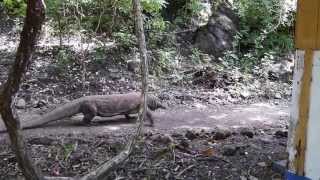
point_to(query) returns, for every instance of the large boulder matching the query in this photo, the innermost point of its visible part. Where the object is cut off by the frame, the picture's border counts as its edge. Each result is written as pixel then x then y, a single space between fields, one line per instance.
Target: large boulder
pixel 217 35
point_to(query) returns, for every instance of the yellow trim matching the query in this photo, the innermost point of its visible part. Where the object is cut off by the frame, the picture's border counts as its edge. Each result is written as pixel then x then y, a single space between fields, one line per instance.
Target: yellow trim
pixel 304 104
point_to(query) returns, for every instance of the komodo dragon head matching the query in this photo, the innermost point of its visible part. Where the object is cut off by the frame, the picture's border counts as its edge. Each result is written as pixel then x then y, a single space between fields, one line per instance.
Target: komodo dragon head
pixel 154 103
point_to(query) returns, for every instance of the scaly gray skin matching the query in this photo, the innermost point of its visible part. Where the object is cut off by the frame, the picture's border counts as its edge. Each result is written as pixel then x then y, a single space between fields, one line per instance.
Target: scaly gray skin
pixel 99 105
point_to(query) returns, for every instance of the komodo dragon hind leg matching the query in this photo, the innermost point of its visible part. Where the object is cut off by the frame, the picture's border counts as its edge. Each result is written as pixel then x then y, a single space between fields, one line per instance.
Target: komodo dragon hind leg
pixel 89 111
pixel 150 117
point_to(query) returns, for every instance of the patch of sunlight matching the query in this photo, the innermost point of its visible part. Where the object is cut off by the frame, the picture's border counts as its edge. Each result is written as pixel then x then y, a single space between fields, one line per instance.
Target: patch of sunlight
pixel 111 128
pixel 258 118
pixel 264 105
pixel 194 127
pixel 194 120
pixel 200 106
pixel 282 113
pixel 7 44
pixel 218 117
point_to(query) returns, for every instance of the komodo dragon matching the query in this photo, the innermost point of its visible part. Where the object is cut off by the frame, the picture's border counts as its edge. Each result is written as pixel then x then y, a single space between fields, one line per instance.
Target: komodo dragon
pixel 99 105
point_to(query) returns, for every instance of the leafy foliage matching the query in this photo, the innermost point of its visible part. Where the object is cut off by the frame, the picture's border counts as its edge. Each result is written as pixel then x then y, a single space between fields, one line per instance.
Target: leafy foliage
pixel 264 29
pixel 15 7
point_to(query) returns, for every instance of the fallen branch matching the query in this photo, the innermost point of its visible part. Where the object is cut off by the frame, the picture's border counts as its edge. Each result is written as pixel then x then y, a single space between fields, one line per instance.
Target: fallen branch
pixel 184 170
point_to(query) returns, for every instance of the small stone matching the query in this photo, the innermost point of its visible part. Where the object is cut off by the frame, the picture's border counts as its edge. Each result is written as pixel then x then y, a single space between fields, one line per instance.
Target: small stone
pixel 148 134
pixel 164 96
pixel 53 100
pixel 229 150
pixel 279 166
pixel 39 104
pixel 262 164
pixel 245 94
pixel 243 178
pixel 77 156
pixel 191 135
pixel 163 138
pixel 247 132
pixel 177 135
pixel 281 134
pixel 133 66
pixel 184 143
pixel 253 178
pixel 221 134
pixel 277 96
pixel 112 70
pixel 28 97
pixel 21 104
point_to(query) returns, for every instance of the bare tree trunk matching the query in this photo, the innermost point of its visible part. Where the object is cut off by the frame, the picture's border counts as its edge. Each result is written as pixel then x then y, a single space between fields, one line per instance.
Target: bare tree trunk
pixel 31 31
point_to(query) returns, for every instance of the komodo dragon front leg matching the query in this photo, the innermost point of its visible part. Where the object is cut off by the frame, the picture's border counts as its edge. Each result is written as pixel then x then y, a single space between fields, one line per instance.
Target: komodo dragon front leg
pixel 89 111
pixel 149 116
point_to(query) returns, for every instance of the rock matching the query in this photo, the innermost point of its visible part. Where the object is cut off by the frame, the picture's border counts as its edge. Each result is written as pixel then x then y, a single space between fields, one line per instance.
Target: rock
pixel 21 104
pixel 185 97
pixel 247 132
pixel 266 140
pixel 184 143
pixel 113 70
pixel 217 35
pixel 203 16
pixel 221 134
pixel 277 96
pixel 39 104
pixel 177 135
pixel 280 166
pixel 281 134
pixel 252 178
pixel 28 97
pixel 163 138
pixel 245 94
pixel 191 135
pixel 148 134
pixel 282 70
pixel 164 96
pixel 133 65
pixel 229 150
pixel 53 100
pixel 262 164
pixel 115 76
pixel 77 156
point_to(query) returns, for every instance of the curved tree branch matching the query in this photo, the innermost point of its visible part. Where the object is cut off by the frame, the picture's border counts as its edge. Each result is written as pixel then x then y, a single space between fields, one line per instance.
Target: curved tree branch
pixel 30 32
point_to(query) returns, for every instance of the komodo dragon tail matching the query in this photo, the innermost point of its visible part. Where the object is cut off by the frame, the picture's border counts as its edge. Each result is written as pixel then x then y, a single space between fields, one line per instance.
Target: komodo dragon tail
pixel 66 110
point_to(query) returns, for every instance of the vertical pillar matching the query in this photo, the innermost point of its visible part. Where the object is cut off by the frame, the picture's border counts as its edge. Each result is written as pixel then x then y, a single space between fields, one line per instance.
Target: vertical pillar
pixel 304 131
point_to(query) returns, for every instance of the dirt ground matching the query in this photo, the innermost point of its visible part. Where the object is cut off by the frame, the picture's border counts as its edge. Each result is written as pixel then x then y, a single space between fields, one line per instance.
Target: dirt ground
pixel 204 134
pixel 197 142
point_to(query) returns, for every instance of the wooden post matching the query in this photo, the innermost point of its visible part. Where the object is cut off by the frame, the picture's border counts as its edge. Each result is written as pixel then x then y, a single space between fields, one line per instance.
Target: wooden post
pixel 304 131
